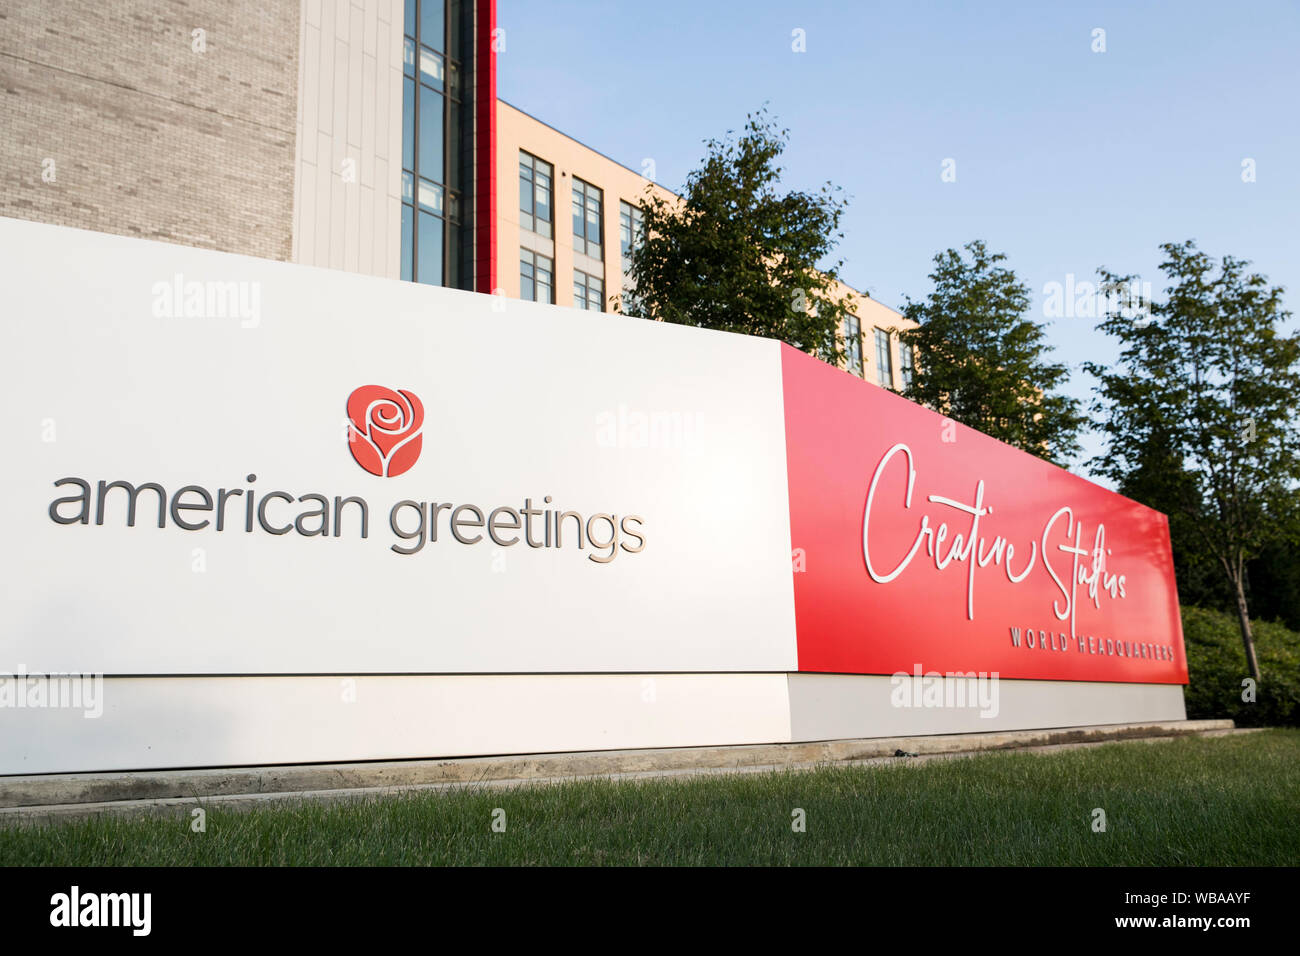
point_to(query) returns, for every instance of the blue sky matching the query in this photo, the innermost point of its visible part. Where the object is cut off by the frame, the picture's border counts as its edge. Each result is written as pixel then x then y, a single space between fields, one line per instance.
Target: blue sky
pixel 1066 159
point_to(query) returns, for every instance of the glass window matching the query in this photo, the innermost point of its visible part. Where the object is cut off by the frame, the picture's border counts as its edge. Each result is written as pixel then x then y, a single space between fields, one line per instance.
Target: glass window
pixel 542 196
pixel 593 222
pixel 408 242
pixel 433 71
pixel 536 277
pixel 884 364
pixel 545 280
pixel 588 203
pixel 430 145
pixel 429 249
pixel 430 125
pixel 631 229
pixel 853 344
pixel 631 304
pixel 588 292
pixel 527 277
pixel 535 194
pixel 431 23
pixel 905 364
pixel 431 197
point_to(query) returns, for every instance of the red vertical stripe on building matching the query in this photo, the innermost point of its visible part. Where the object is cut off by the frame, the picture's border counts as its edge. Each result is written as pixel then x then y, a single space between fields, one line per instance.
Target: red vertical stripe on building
pixel 485 147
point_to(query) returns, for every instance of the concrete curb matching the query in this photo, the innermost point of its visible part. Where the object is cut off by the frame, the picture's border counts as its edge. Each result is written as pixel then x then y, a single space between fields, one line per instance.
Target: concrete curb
pixel 57 797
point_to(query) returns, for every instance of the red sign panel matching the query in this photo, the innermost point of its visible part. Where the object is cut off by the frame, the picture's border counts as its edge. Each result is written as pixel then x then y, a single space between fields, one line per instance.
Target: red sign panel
pixel 921 543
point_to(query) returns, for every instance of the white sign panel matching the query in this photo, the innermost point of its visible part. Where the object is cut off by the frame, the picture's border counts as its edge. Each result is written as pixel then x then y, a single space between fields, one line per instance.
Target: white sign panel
pixel 340 474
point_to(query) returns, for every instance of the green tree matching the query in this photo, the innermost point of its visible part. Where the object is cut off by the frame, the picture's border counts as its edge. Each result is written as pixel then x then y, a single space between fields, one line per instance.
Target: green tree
pixel 981 361
pixel 1274 576
pixel 1199 413
pixel 737 254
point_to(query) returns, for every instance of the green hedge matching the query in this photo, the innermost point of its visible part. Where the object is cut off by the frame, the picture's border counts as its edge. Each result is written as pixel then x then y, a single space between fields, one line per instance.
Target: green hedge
pixel 1216 665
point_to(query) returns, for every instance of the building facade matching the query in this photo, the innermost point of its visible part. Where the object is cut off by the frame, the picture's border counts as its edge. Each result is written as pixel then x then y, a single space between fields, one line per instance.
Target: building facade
pixel 361 135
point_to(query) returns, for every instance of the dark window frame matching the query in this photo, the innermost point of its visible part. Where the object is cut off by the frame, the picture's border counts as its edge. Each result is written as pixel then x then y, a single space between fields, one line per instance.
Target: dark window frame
pixel 635 218
pixel 587 190
pixel 530 258
pixel 906 364
pixel 532 162
pixel 586 283
pixel 853 342
pixel 452 102
pixel 884 359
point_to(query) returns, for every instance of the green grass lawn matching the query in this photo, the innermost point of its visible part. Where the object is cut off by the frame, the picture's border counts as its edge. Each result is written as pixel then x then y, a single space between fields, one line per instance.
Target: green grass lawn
pixel 1194 801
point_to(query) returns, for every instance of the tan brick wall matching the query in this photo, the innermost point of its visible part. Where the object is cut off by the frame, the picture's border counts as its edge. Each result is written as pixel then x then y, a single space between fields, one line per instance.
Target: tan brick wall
pixel 149 138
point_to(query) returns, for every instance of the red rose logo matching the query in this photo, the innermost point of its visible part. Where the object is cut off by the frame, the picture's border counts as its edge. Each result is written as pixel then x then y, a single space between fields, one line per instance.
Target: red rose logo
pixel 384 429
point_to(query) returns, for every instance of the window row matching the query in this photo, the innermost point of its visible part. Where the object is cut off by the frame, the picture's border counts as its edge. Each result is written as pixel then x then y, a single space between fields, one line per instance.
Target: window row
pixel 537 210
pixel 884 355
pixel 431 119
pixel 631 230
pixel 537 283
pixel 427 20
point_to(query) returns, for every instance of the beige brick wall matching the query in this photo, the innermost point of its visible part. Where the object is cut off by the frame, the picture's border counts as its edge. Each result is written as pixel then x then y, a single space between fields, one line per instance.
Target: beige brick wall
pixel 147 137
